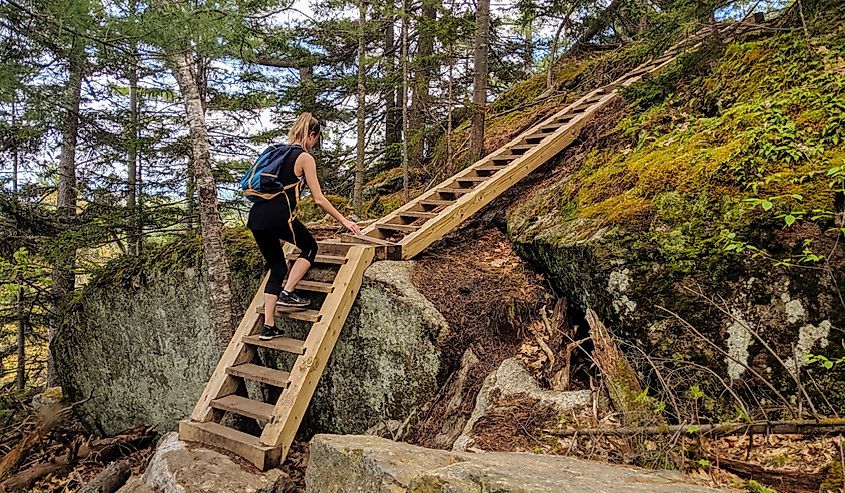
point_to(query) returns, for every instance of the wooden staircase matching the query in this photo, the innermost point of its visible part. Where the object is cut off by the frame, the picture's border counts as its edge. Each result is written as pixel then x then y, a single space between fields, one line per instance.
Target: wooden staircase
pixel 281 419
pixel 399 235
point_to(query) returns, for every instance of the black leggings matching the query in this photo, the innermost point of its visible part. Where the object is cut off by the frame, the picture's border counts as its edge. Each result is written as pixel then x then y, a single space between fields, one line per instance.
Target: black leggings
pixel 271 249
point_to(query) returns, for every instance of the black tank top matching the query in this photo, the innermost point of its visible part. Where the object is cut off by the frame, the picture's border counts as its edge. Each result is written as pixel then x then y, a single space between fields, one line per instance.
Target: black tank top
pixel 273 214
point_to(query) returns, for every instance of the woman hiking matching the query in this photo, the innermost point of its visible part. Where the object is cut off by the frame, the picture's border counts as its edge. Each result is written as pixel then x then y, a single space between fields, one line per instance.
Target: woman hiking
pixel 274 219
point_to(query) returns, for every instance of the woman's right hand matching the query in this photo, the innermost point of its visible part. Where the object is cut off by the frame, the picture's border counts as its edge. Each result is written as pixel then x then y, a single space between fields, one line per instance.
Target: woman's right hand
pixel 351 226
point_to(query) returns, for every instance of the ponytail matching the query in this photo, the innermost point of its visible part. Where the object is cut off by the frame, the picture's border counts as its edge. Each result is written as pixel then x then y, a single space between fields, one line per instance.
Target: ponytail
pixel 303 126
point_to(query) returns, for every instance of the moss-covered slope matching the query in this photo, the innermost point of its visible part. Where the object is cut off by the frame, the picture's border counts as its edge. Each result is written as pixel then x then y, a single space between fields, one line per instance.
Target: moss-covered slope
pixel 718 197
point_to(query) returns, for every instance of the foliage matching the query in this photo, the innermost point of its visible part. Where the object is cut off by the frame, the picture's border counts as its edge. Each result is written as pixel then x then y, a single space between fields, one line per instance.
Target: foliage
pixel 753 486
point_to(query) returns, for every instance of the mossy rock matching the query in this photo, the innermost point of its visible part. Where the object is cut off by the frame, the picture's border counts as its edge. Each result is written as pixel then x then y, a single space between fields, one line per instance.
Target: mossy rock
pixel 685 212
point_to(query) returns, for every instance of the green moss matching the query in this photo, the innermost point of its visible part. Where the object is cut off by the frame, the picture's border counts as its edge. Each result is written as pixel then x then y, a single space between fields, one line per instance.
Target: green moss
pixel 833 477
pixel 173 257
pixel 763 119
pixel 755 487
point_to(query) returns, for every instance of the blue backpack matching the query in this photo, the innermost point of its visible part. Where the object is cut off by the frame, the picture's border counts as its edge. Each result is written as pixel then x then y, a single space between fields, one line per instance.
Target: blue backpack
pixel 262 180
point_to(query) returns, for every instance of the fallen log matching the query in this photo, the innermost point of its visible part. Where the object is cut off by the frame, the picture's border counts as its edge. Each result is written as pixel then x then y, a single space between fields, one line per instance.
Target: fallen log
pixel 109 480
pixel 799 427
pixel 794 481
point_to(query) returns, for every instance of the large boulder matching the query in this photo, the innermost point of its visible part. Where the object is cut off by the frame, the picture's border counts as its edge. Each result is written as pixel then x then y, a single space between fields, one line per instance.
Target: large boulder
pixel 340 464
pixel 140 343
pixel 386 361
pixel 512 379
pixel 177 468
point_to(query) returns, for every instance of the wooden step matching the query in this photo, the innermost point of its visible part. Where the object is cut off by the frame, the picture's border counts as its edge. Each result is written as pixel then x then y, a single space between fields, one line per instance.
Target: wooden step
pixel 522 149
pixel 237 442
pixel 285 344
pixel 454 191
pixel 548 129
pixel 534 139
pixel 323 259
pixel 384 249
pixel 504 159
pixel 303 314
pixel 366 240
pixel 473 179
pixel 417 214
pixel 403 228
pixel 244 407
pixel 488 169
pixel 436 203
pixel 315 286
pixel 270 376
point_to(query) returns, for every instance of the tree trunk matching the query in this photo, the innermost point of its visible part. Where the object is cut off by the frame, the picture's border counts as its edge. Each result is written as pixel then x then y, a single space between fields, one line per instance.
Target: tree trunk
pixel 423 73
pixel 190 203
pixel 132 148
pixel 15 157
pixel 21 315
pixel 19 306
pixel 139 198
pixel 479 82
pixel 211 225
pixel 358 186
pixel 528 55
pixel 63 269
pixel 622 384
pixel 449 95
pixel 306 82
pixel 405 178
pixel 550 78
pixel 392 130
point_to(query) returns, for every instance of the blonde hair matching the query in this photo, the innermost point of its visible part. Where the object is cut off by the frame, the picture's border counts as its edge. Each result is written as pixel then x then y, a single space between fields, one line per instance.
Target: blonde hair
pixel 303 126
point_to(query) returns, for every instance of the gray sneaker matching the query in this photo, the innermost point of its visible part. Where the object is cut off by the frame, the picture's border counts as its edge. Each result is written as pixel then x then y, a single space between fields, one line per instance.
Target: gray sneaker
pixel 270 331
pixel 291 299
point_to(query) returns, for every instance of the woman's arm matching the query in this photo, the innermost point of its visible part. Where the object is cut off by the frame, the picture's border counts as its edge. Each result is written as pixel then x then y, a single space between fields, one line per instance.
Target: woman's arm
pixel 309 167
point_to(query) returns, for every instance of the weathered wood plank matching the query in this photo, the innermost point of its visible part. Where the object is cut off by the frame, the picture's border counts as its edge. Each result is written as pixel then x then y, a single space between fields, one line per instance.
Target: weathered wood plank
pixel 243 444
pixel 263 374
pixel 244 406
pixel 285 344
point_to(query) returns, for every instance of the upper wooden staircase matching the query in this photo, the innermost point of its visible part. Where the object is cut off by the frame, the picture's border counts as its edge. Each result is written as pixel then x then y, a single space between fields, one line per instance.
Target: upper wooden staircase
pixel 401 234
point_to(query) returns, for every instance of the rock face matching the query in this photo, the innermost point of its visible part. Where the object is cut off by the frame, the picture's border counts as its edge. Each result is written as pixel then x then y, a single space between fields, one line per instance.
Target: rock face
pixel 512 379
pixel 175 468
pixel 616 273
pixel 385 362
pixel 340 464
pixel 679 206
pixel 141 344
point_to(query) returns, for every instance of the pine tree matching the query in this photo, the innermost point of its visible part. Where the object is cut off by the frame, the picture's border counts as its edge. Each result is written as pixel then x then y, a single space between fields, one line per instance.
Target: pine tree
pixel 479 84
